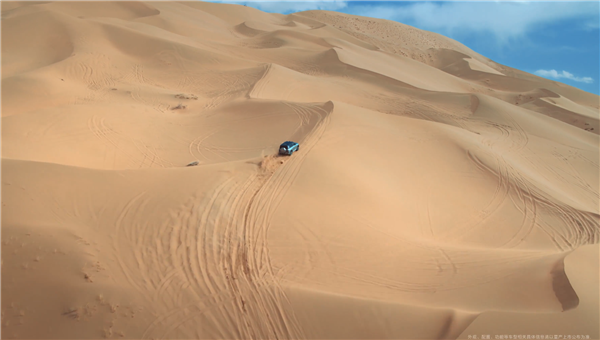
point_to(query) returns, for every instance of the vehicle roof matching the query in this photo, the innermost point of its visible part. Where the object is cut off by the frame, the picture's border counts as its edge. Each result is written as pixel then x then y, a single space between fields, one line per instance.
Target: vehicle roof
pixel 288 143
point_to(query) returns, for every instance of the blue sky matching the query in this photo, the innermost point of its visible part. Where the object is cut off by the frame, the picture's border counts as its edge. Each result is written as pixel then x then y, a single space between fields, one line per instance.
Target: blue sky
pixel 558 40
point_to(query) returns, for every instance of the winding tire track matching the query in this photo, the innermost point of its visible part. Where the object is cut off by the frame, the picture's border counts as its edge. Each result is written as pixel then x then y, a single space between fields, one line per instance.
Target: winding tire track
pixel 219 247
pixel 249 270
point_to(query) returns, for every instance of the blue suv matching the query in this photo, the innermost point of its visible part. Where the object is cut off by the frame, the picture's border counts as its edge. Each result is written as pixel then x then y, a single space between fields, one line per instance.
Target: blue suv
pixel 288 148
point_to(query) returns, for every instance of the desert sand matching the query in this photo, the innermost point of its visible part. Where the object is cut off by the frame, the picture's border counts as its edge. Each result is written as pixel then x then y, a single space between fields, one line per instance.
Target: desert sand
pixel 436 194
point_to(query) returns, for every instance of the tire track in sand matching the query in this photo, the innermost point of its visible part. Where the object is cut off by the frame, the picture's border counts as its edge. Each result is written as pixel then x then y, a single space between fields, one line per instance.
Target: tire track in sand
pixel 254 258
pixel 258 308
pixel 185 245
pixel 218 245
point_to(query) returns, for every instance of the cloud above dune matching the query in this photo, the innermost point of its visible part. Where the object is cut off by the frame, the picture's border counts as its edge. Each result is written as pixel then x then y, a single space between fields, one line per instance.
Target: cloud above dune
pixel 517 33
pixel 563 75
pixel 291 6
pixel 505 20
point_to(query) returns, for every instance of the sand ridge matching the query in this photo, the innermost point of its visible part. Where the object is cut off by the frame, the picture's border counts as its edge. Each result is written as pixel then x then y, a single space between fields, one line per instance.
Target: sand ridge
pixel 436 194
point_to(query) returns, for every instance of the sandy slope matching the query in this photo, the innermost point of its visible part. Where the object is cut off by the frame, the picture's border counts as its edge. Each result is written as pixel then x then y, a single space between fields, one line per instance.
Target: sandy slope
pixel 436 194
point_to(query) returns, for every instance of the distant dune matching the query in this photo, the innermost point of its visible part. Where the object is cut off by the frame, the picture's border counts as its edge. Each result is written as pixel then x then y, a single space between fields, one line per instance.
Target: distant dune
pixel 436 194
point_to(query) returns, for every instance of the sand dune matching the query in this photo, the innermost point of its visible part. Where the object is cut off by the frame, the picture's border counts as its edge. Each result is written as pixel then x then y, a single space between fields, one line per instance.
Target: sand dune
pixel 436 194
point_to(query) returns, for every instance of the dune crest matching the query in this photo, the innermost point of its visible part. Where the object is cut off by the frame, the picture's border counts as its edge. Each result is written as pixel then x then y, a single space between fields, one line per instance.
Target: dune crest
pixel 435 193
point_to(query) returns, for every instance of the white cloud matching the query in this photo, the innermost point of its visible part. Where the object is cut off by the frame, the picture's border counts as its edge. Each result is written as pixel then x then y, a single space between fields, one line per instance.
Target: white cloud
pixel 564 74
pixel 291 6
pixel 592 24
pixel 506 20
